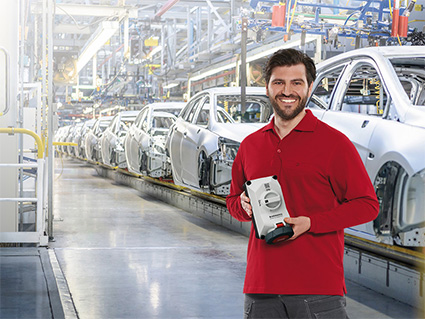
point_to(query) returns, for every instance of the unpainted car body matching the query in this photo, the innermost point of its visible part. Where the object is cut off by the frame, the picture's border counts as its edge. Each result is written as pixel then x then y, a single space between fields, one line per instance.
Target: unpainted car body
pixel 73 137
pixel 112 139
pixel 145 142
pixel 203 142
pixel 92 139
pixel 376 97
pixel 61 135
pixel 79 138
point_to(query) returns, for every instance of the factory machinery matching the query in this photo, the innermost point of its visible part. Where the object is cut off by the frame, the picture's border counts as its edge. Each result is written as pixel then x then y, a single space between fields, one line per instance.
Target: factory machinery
pixel 380 22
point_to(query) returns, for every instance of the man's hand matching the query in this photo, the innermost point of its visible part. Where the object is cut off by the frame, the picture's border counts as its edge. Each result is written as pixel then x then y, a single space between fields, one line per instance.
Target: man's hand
pixel 246 206
pixel 300 225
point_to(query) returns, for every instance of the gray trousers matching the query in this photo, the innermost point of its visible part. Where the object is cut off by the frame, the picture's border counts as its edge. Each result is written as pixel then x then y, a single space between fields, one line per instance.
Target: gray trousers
pixel 294 306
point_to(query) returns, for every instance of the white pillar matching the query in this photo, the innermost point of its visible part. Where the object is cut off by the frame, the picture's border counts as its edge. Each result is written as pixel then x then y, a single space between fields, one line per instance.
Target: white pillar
pixel 9 17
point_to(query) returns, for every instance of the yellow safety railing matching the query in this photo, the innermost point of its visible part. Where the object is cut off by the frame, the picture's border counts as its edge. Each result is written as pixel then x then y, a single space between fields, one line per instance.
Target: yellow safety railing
pixel 64 143
pixel 13 130
pixel 38 236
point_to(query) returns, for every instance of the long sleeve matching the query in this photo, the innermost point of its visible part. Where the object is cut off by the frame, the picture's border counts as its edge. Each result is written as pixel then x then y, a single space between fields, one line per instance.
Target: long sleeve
pixel 357 202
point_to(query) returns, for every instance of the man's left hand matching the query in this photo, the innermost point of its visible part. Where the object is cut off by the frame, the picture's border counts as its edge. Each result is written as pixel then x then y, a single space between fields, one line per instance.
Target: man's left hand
pixel 300 225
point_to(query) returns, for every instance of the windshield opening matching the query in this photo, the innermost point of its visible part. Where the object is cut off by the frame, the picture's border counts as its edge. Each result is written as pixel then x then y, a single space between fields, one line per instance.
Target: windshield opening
pixel 411 73
pixel 257 108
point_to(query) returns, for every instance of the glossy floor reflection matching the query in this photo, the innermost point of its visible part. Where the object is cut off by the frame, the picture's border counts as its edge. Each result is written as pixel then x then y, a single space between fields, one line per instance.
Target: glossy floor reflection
pixel 128 255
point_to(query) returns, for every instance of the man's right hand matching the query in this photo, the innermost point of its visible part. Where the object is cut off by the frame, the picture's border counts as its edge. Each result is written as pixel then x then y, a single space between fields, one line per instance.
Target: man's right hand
pixel 246 206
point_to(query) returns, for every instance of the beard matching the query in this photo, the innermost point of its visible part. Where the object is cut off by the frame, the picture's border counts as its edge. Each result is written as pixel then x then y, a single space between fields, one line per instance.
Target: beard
pixel 288 114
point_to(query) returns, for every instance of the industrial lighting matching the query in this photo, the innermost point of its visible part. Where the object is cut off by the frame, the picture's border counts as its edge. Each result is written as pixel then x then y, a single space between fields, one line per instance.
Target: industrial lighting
pixel 103 33
pixel 263 53
pixel 154 51
pixel 250 58
pixel 213 71
pixel 171 85
pixel 118 107
pixel 87 110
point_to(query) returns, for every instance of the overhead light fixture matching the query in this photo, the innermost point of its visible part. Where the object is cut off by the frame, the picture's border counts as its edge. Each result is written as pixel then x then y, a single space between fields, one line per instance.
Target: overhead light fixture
pixel 253 56
pixel 170 85
pixel 213 71
pixel 87 110
pixel 153 52
pixel 290 44
pixel 102 34
pixel 113 108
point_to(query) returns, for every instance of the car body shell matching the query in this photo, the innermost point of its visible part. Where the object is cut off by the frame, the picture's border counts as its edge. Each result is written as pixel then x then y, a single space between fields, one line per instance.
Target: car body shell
pixel 364 96
pixel 197 140
pixel 79 138
pixel 145 141
pixel 61 135
pixel 111 141
pixel 92 138
pixel 69 149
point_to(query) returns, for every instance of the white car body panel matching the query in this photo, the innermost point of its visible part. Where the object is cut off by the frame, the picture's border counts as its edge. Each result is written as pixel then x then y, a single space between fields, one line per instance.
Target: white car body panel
pixel 390 139
pixel 111 140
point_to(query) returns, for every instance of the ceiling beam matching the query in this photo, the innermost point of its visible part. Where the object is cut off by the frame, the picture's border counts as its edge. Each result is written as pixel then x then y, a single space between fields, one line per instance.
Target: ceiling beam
pixel 89 10
pixel 71 29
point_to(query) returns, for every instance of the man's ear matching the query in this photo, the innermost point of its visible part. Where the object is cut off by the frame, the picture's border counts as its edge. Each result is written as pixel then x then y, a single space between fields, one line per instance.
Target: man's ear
pixel 267 89
pixel 310 89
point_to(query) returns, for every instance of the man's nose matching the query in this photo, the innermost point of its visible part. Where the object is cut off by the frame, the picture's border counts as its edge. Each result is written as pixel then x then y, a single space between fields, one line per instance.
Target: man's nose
pixel 286 90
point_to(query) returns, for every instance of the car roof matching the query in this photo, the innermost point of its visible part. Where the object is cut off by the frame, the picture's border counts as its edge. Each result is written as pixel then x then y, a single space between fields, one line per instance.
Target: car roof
pixel 105 118
pixel 162 114
pixel 235 90
pixel 128 114
pixel 375 52
pixel 166 105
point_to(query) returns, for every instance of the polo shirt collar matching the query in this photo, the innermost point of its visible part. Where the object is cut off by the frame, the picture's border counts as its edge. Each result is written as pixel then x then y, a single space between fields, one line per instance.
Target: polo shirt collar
pixel 307 124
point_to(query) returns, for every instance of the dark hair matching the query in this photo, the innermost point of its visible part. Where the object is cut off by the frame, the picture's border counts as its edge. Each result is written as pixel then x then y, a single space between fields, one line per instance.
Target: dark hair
pixel 290 57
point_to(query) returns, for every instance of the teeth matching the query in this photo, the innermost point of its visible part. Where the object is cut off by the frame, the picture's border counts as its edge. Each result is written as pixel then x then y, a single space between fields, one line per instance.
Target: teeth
pixel 287 101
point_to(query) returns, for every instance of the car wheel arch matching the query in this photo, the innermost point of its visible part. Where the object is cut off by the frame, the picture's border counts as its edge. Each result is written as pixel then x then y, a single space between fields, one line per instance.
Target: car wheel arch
pixel 386 184
pixel 204 166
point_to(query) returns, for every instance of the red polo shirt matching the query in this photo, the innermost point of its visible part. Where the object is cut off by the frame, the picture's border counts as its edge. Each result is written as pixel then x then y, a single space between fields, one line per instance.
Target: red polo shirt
pixel 322 177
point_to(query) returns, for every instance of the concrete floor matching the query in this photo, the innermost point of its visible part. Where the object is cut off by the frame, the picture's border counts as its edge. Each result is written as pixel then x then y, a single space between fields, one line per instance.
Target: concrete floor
pixel 127 255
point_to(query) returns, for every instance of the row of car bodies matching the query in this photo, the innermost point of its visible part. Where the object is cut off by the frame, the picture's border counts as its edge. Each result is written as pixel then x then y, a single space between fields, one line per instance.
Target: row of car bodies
pixel 375 96
pixel 203 142
pixel 145 142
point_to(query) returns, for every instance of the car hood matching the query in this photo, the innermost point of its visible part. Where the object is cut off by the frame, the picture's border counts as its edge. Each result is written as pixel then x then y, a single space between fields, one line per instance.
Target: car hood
pixel 236 131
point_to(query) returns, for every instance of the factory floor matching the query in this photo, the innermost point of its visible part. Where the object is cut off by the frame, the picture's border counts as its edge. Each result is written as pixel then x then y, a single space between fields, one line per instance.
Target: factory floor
pixel 118 253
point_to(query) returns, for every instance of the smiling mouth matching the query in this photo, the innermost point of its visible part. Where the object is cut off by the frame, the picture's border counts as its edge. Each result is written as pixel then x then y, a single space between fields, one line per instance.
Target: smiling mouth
pixel 287 99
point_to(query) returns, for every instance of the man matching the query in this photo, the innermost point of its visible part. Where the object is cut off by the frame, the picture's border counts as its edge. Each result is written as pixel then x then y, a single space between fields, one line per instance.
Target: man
pixel 326 189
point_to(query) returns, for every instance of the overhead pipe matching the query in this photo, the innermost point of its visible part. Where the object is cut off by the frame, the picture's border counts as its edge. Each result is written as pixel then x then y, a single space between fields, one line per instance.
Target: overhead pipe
pixel 396 14
pixel 166 7
pixel 404 19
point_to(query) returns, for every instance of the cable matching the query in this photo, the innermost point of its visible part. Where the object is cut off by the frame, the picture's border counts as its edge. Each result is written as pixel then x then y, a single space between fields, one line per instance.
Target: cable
pixel 292 17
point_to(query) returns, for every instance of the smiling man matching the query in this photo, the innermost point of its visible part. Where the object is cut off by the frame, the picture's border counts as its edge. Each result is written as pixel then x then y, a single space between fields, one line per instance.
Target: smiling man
pixel 326 189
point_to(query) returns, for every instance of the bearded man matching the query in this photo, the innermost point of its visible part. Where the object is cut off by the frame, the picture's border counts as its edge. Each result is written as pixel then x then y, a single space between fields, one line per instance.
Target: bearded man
pixel 326 189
